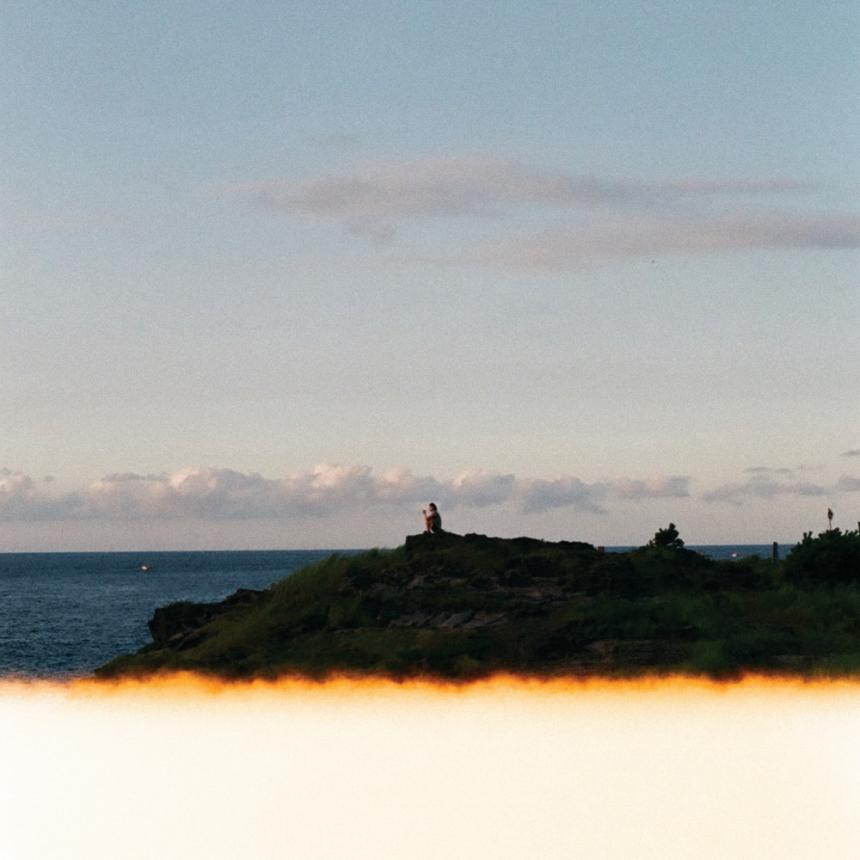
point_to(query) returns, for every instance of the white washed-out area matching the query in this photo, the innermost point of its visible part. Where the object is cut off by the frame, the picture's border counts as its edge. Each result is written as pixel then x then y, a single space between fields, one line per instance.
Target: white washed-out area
pixel 665 770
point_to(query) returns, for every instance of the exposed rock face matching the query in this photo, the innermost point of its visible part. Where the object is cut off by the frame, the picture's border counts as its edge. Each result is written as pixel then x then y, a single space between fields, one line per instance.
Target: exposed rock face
pixel 468 620
pixel 174 623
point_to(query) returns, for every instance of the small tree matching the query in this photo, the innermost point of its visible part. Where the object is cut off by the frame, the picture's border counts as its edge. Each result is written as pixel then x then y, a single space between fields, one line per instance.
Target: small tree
pixel 667 537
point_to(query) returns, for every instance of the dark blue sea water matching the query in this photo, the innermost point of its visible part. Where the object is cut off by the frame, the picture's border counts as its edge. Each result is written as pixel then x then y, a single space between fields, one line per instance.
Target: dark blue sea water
pixel 64 614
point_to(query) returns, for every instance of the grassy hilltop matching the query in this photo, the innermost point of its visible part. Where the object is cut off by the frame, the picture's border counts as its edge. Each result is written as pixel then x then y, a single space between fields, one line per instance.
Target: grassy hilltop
pixel 464 607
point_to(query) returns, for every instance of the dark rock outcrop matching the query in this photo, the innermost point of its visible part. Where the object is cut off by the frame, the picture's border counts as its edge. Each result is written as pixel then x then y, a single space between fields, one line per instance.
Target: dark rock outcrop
pixel 176 621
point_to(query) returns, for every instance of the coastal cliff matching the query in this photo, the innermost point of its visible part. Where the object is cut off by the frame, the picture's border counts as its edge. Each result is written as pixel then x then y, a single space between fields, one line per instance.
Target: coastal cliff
pixel 462 607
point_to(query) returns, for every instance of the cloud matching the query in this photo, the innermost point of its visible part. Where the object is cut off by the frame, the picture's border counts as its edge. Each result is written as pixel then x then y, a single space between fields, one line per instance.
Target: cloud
pixel 763 488
pixel 848 484
pixel 374 200
pixel 228 494
pixel 481 489
pixel 21 498
pixel 767 470
pixel 540 495
pixel 401 486
pixel 671 487
pixel 643 235
pixel 17 492
pixel 853 452
pixel 326 490
pixel 694 186
pixel 767 483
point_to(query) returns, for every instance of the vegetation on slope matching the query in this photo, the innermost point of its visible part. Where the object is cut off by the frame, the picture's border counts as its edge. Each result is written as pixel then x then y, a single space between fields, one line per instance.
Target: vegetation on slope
pixel 465 607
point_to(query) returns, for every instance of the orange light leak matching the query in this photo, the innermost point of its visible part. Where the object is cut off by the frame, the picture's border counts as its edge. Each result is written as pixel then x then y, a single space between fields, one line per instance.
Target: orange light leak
pixel 184 766
pixel 185 685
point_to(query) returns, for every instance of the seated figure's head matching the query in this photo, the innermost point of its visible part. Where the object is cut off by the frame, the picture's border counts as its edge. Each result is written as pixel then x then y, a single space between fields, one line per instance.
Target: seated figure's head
pixel 432 506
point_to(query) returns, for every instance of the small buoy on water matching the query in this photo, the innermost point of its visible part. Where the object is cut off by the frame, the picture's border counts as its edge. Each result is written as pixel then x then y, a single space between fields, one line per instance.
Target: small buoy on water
pixel 145 567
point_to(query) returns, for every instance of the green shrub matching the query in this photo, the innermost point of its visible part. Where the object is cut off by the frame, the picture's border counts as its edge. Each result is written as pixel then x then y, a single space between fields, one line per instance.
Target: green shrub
pixel 832 557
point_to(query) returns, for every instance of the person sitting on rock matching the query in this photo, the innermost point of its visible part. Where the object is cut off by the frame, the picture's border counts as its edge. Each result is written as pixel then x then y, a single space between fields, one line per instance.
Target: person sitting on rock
pixel 432 519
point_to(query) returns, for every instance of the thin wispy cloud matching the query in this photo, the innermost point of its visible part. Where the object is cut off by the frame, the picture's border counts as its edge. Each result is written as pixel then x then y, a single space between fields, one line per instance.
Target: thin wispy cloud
pixel 852 452
pixel 375 200
pixel 645 235
pixel 767 470
pixel 326 490
pixel 433 187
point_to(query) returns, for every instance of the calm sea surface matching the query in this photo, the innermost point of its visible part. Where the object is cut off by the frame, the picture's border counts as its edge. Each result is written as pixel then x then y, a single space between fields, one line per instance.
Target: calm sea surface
pixel 64 614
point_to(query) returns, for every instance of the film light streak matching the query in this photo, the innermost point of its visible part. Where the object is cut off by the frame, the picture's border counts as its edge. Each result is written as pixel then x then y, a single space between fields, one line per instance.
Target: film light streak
pixel 187 767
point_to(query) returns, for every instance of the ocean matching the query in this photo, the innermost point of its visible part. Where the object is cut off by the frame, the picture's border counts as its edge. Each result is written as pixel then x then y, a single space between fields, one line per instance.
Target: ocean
pixel 64 614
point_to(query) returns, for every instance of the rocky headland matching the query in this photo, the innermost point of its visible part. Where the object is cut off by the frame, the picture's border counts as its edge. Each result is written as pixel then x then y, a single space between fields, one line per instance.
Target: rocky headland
pixel 464 607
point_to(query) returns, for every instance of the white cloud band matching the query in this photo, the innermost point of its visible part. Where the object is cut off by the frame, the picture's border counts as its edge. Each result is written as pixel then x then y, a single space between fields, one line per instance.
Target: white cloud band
pixel 226 494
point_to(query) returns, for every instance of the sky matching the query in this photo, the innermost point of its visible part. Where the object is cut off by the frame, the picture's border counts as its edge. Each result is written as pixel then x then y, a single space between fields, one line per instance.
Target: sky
pixel 280 274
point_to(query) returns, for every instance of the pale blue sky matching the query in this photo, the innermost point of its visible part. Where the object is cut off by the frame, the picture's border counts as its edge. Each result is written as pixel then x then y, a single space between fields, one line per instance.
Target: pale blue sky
pixel 606 243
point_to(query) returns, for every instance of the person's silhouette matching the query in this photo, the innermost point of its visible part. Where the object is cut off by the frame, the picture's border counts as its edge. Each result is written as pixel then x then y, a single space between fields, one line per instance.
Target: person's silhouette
pixel 432 519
